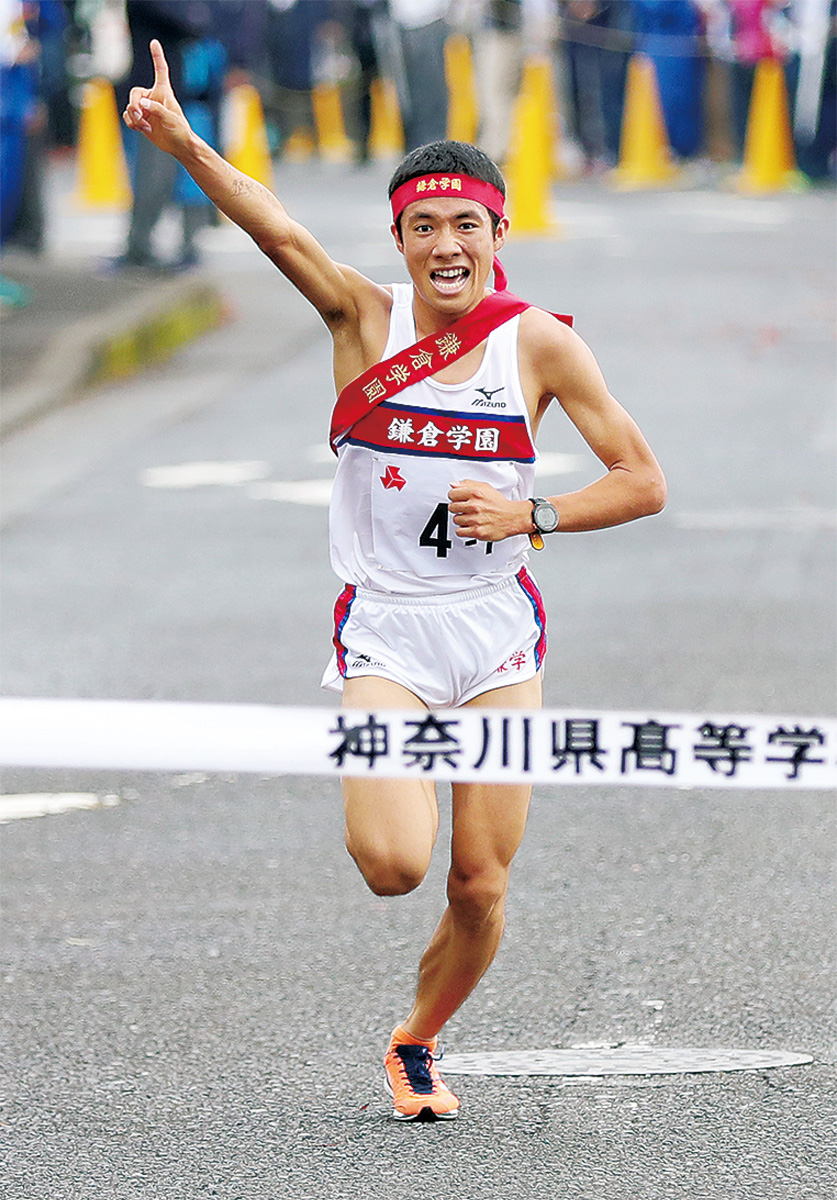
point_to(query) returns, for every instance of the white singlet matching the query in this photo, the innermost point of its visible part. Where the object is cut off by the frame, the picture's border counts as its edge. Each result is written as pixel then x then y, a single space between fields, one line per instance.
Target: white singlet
pixel 390 527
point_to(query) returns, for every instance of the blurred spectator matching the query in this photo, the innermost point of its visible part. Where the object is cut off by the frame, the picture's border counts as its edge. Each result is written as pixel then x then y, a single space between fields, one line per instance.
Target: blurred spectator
pixel 233 51
pixel 597 41
pixel 423 30
pixel 16 100
pixel 755 33
pixel 204 70
pixel 241 26
pixel 718 140
pixel 363 19
pixel 174 24
pixel 25 226
pixel 669 32
pixel 53 26
pixel 813 81
pixel 499 51
pixel 291 27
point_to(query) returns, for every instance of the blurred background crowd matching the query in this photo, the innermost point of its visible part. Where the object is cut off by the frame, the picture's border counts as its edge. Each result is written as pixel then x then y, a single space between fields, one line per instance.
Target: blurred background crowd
pixel 386 75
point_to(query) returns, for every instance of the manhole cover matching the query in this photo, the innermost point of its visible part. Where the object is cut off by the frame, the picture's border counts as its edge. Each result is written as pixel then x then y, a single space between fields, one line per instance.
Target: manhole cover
pixel 617 1060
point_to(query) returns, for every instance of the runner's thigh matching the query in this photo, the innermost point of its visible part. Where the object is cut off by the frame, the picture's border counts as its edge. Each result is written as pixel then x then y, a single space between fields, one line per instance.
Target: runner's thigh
pixel 389 819
pixel 489 819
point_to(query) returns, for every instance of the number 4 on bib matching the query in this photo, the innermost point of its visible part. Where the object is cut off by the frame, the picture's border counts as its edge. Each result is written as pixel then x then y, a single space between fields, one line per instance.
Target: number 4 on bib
pixel 435 532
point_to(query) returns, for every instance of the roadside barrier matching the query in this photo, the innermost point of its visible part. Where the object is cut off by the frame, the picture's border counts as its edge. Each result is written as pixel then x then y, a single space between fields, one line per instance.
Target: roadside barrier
pixel 551 746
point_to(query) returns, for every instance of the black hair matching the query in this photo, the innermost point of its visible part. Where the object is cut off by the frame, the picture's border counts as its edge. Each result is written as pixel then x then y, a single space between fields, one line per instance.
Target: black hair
pixel 452 157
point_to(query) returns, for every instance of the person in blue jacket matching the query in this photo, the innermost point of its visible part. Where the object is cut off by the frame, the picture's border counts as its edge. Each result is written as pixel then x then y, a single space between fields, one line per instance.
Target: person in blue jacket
pixel 669 32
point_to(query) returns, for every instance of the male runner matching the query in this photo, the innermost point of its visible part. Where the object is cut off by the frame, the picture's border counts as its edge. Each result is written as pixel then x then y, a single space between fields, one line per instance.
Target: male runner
pixel 431 519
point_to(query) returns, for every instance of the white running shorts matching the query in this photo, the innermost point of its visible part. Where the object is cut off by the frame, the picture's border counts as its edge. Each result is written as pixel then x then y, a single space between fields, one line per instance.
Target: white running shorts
pixel 446 649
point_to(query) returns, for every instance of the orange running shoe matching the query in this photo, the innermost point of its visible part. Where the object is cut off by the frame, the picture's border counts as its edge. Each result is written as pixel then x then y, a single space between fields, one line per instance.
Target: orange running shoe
pixel 414 1082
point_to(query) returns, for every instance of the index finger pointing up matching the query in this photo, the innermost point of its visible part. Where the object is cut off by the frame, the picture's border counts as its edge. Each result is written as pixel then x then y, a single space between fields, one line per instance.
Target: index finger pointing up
pixel 161 67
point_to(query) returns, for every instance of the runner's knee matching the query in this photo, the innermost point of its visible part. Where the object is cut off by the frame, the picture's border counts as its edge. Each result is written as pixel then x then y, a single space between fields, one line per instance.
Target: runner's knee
pixel 477 896
pixel 388 873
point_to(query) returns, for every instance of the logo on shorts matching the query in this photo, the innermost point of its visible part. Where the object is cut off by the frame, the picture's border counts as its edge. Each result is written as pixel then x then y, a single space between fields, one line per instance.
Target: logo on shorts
pixel 392 478
pixel 486 401
pixel 363 660
pixel 515 662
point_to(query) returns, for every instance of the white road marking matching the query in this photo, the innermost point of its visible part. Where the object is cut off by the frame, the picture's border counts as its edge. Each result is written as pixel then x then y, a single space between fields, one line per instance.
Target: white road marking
pixel 752 519
pixel 552 462
pixel 42 804
pixel 205 474
pixel 617 1060
pixel 316 492
pixel 730 209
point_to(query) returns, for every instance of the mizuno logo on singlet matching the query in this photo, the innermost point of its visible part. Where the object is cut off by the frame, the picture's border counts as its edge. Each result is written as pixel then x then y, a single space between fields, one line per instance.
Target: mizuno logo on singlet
pixel 485 401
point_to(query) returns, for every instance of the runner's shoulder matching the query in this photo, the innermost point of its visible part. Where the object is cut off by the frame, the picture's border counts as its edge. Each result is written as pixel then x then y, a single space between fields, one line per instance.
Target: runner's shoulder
pixel 542 335
pixel 537 324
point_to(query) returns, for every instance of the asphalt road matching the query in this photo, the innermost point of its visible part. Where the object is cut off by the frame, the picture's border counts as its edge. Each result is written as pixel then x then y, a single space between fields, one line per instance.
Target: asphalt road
pixel 198 988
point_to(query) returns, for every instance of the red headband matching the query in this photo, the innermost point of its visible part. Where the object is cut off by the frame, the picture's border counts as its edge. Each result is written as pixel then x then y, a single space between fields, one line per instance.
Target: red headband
pixel 464 186
pixel 443 184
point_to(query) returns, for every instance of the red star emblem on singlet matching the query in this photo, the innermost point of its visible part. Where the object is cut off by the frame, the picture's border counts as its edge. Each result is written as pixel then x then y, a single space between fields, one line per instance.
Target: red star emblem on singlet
pixel 392 478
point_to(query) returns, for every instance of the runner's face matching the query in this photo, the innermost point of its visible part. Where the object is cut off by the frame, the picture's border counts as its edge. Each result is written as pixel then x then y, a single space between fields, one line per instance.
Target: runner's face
pixel 449 246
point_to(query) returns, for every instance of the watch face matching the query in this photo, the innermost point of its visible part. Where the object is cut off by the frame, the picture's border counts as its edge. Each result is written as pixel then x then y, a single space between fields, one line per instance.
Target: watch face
pixel 545 517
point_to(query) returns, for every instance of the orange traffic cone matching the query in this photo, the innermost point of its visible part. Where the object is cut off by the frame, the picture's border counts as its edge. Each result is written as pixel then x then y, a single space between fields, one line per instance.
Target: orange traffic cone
pixel 644 153
pixel 102 175
pixel 247 146
pixel 530 165
pixel 463 110
pixel 769 163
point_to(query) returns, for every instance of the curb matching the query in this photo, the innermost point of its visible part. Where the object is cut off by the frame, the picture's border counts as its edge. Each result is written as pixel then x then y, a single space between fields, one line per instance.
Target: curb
pixel 103 348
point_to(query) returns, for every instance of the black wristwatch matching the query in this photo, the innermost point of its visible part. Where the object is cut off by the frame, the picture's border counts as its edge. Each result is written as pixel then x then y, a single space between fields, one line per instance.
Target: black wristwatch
pixel 544 518
pixel 544 515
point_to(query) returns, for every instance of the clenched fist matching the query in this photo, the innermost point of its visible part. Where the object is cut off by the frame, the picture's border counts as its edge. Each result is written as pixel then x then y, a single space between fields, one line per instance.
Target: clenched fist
pixel 480 511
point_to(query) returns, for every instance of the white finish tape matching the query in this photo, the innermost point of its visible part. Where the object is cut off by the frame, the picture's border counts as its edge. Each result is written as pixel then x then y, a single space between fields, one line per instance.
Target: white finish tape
pixel 556 746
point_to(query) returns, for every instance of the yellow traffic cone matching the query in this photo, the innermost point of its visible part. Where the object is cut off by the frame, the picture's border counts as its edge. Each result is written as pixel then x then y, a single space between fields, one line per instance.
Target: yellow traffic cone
pixel 530 165
pixel 538 70
pixel 386 137
pixel 247 145
pixel 328 117
pixel 769 163
pixel 300 145
pixel 333 142
pixel 644 153
pixel 101 172
pixel 463 108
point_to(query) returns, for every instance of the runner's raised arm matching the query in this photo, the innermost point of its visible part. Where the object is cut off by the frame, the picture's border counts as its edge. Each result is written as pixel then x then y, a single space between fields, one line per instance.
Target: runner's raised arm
pixel 333 289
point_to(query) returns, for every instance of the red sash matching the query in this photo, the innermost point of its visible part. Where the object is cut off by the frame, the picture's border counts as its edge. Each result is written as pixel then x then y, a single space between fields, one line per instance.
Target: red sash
pixel 431 354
